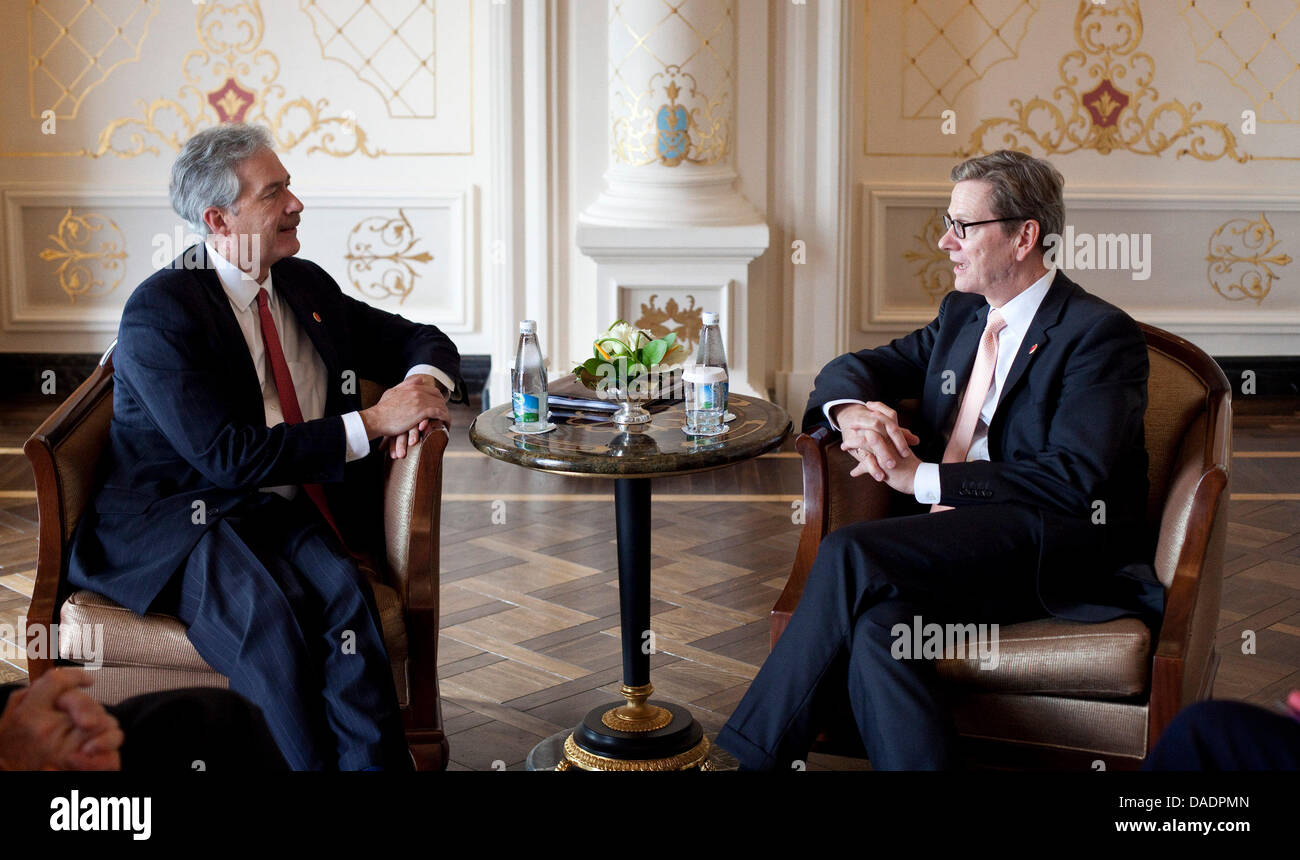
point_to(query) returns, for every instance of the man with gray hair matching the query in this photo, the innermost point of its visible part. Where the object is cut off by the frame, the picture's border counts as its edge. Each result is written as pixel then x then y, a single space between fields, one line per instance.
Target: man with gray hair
pixel 1032 397
pixel 240 478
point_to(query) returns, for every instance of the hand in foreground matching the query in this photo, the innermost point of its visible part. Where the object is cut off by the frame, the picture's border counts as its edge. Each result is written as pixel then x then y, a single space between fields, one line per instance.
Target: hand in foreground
pixel 55 725
pixel 873 430
pixel 902 477
pixel 404 411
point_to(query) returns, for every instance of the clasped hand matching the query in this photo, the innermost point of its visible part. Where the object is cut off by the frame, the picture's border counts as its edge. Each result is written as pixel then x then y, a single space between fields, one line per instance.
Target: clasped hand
pixel 54 725
pixel 404 411
pixel 872 435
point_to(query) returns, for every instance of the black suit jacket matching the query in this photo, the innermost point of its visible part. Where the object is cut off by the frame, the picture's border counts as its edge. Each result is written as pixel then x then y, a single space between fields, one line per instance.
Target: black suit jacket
pixel 1067 435
pixel 189 425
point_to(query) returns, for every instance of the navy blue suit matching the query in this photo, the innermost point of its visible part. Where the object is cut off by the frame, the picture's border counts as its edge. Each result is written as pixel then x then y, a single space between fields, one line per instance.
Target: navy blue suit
pixel 1022 542
pixel 178 520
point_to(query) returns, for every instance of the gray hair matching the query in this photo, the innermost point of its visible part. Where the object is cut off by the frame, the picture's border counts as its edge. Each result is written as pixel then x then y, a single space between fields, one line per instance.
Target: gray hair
pixel 1022 187
pixel 203 174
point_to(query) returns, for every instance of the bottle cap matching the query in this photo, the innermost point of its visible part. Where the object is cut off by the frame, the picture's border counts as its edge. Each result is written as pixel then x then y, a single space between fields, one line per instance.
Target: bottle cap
pixel 528 327
pixel 701 374
pixel 710 317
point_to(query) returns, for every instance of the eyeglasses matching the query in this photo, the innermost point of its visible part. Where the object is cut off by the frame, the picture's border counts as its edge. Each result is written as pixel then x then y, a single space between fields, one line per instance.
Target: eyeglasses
pixel 959 227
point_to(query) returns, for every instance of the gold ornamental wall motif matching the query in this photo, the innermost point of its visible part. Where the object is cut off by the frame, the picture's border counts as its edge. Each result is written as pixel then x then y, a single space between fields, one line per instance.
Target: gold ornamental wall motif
pixel 232 78
pixel 672 81
pixel 1106 101
pixel 90 251
pixel 933 266
pixel 382 258
pixel 685 322
pixel 73 48
pixel 389 46
pixel 1256 45
pixel 947 48
pixel 1241 257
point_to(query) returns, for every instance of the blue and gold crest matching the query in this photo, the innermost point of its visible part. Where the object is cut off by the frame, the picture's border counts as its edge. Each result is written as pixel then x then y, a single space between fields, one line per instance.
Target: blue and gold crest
pixel 673 122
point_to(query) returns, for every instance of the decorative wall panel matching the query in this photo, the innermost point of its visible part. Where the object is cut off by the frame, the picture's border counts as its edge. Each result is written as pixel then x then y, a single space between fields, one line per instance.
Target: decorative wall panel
pixel 946 78
pixel 73 258
pixel 1171 259
pixel 391 78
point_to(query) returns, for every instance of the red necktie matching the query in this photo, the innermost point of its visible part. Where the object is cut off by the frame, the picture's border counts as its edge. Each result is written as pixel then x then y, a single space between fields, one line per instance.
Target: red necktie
pixel 289 397
pixel 977 391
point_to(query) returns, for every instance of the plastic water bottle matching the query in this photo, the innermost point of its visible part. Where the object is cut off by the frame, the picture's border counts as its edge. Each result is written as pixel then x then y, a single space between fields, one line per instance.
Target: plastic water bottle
pixel 712 354
pixel 529 383
pixel 705 390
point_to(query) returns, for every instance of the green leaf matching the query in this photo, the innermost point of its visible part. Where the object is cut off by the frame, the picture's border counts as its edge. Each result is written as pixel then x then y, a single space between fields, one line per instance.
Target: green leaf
pixel 670 339
pixel 653 352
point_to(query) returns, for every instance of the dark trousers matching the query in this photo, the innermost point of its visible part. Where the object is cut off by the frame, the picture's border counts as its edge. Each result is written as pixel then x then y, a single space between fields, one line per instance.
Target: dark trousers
pixel 971 565
pixel 195 729
pixel 1221 735
pixel 272 601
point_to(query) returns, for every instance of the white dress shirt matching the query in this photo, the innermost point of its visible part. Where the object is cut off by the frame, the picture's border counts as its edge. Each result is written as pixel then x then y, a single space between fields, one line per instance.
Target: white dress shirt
pixel 306 368
pixel 1018 313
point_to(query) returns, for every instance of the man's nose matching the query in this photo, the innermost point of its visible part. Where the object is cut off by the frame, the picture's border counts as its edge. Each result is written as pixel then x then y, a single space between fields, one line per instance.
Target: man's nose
pixel 295 205
pixel 948 241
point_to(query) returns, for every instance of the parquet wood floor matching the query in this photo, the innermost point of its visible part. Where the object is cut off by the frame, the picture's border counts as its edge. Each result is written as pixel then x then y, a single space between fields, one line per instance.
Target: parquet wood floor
pixel 530 583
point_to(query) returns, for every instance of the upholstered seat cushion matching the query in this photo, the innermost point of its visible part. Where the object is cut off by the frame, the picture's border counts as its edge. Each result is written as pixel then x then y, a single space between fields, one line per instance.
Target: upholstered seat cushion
pixel 1054 657
pixel 159 641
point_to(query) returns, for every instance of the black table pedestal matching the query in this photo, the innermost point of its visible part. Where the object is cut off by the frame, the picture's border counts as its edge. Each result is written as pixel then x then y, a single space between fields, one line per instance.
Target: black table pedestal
pixel 639 734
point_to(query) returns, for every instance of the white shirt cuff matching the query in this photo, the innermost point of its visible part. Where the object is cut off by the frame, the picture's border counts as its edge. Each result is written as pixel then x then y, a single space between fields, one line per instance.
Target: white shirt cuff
pixel 358 442
pixel 827 407
pixel 925 484
pixel 437 374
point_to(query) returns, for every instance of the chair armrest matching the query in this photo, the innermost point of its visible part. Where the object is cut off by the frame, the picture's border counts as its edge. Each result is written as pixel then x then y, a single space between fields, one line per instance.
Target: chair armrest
pixel 1183 649
pixel 412 504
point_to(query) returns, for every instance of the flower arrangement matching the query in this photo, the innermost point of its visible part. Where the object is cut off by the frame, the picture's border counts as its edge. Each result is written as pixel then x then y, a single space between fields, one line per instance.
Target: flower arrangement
pixel 627 361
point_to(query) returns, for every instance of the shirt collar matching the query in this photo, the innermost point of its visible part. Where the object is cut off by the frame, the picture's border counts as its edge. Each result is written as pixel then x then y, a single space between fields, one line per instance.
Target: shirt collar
pixel 238 284
pixel 1019 312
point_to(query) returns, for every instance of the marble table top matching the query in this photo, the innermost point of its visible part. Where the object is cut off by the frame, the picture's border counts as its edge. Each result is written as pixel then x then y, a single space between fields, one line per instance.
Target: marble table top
pixel 589 444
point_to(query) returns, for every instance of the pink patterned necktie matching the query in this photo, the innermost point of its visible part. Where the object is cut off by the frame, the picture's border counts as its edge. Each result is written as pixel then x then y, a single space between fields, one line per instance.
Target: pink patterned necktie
pixel 977 391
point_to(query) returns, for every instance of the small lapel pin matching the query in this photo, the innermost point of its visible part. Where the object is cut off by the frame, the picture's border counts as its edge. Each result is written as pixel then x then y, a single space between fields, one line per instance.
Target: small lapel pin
pixel 1031 349
pixel 316 317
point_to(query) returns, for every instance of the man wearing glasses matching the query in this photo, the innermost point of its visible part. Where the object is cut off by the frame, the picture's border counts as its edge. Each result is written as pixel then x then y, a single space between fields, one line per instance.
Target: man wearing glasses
pixel 1032 395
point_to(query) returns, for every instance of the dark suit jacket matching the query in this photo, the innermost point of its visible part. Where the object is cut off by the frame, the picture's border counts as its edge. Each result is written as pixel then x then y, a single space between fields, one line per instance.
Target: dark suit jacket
pixel 189 424
pixel 1067 433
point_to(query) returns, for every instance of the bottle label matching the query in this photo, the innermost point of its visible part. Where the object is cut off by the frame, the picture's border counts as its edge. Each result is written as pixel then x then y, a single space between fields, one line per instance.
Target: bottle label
pixel 707 394
pixel 527 409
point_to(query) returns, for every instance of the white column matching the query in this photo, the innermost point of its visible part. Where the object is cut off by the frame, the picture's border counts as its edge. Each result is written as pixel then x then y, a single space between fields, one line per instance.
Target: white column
pixel 670 216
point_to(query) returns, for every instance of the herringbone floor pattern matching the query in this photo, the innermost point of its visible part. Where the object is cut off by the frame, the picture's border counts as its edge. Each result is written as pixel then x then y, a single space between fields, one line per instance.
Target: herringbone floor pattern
pixel 530 584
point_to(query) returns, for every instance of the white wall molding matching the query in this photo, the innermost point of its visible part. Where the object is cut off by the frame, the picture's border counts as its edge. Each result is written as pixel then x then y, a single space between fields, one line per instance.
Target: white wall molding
pixel 812 191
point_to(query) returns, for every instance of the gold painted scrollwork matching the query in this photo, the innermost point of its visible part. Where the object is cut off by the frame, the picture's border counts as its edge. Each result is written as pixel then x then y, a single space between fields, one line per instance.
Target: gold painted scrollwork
pixel 231 78
pixel 697 134
pixel 83 268
pixel 1233 273
pixel 1106 117
pixel 686 323
pixel 387 270
pixel 934 267
pixel 60 77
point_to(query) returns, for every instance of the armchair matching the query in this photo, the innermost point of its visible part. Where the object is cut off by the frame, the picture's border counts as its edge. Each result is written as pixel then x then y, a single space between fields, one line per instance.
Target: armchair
pixel 149 653
pixel 1068 694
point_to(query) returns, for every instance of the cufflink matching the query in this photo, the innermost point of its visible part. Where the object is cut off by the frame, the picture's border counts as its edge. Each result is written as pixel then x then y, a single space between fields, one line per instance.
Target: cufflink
pixel 316 317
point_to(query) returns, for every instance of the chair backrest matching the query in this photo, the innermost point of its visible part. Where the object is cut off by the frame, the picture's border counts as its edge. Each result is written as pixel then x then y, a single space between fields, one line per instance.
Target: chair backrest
pixel 1187 431
pixel 64 453
pixel 66 448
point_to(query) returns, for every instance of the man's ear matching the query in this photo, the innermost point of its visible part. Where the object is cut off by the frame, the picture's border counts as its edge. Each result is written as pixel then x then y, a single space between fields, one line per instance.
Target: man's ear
pixel 215 218
pixel 1027 239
